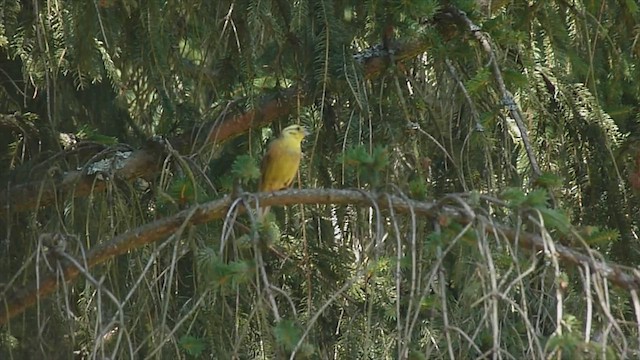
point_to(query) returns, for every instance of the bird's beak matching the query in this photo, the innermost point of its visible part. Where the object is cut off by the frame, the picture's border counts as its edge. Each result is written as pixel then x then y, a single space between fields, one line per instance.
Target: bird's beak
pixel 306 132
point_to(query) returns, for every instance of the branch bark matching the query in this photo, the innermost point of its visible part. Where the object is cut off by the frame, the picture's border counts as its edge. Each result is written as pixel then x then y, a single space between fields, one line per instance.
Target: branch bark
pixel 17 301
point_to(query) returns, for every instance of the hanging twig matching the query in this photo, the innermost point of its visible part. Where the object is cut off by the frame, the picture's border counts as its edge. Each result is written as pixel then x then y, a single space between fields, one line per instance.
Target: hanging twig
pixel 16 301
pixel 507 97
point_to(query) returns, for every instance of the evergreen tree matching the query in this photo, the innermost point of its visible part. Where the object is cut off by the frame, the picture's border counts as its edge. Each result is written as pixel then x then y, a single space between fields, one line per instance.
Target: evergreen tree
pixel 468 191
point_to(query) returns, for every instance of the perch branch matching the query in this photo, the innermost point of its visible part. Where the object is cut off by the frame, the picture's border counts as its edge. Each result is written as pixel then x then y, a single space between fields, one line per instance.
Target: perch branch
pixel 17 301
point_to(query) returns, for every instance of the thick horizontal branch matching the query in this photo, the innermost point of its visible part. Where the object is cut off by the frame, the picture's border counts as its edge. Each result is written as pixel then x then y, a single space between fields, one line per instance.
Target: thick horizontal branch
pixel 18 301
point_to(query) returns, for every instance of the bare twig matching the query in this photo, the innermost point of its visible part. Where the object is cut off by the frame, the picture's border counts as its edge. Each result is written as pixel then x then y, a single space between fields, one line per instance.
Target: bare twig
pixel 17 301
pixel 507 97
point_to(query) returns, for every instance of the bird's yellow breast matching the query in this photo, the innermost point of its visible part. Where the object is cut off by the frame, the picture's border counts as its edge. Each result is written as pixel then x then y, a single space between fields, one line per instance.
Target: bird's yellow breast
pixel 280 164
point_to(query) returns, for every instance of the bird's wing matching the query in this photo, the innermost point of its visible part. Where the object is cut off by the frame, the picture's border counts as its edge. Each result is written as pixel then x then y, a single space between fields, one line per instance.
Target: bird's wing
pixel 272 164
pixel 266 160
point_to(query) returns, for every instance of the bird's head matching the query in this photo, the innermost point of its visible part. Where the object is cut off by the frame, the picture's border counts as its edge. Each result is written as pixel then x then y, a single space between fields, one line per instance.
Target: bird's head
pixel 297 132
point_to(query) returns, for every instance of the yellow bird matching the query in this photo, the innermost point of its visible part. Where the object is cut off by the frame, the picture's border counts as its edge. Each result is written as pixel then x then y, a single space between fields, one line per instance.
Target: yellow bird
pixel 280 163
